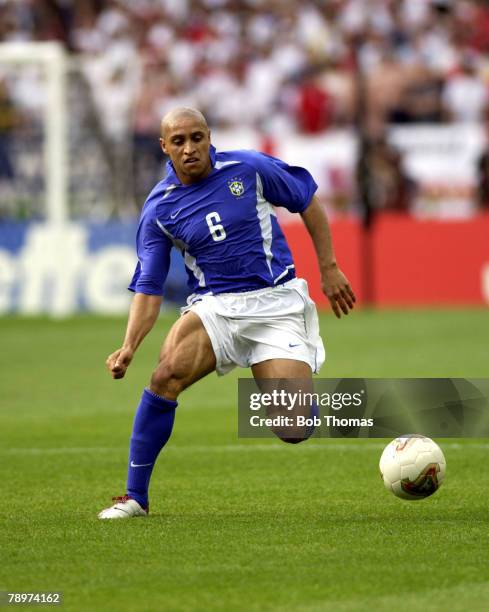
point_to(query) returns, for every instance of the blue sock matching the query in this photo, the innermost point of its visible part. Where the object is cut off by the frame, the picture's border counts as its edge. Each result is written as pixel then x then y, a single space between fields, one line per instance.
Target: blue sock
pixel 153 424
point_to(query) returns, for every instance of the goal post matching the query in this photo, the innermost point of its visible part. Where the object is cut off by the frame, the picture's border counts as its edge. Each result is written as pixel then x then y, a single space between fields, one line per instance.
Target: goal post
pixel 51 57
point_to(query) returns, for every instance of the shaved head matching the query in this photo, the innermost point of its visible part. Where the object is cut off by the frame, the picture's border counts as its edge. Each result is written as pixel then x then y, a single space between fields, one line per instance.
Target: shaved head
pixel 179 113
pixel 185 138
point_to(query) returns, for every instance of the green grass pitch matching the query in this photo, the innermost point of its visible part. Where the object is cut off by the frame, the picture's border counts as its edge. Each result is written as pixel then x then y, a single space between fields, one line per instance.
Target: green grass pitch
pixel 235 524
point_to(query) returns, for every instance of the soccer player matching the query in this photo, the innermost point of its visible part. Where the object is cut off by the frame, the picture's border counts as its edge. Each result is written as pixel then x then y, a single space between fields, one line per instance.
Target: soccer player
pixel 246 307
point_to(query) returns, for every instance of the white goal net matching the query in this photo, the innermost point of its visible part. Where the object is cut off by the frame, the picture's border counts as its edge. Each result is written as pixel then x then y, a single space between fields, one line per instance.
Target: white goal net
pixel 34 94
pixel 56 161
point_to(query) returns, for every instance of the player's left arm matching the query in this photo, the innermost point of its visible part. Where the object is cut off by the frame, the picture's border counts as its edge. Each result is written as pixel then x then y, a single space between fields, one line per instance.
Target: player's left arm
pixel 334 283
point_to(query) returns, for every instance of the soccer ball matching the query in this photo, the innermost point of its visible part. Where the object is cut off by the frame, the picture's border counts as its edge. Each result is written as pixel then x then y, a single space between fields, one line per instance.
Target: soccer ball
pixel 412 467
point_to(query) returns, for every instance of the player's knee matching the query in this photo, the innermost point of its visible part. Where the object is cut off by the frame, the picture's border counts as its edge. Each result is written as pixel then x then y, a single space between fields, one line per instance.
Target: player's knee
pixel 165 380
pixel 306 432
pixel 297 436
pixel 293 440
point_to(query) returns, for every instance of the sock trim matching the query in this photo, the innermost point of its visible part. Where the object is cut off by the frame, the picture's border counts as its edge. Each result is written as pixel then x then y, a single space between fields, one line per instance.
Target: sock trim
pixel 163 402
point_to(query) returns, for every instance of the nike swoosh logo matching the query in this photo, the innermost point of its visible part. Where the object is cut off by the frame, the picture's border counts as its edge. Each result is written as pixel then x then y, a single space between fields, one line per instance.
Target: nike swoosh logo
pixel 140 464
pixel 175 215
pixel 292 345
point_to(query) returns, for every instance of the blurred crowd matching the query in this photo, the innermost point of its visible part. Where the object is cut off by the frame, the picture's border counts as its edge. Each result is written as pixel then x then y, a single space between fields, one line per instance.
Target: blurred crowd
pixel 275 65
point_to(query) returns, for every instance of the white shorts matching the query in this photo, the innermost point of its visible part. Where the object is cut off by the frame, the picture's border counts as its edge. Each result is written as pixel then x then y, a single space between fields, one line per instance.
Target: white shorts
pixel 250 327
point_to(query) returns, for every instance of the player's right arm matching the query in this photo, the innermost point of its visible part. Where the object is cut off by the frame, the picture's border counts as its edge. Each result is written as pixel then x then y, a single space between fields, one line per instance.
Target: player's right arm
pixel 142 316
pixel 153 250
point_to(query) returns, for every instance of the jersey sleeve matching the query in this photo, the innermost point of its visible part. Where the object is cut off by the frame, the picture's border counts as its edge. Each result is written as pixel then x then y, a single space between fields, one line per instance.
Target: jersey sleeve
pixel 289 186
pixel 153 250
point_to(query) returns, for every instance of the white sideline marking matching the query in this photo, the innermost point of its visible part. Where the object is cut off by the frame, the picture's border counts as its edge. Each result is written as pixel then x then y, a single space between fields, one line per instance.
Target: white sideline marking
pixel 356 445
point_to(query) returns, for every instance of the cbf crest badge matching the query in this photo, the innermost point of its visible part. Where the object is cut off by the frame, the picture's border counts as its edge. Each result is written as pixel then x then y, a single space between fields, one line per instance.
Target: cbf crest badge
pixel 236 187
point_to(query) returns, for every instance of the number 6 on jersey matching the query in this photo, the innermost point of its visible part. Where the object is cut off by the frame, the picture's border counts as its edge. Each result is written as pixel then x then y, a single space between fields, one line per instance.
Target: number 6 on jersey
pixel 217 230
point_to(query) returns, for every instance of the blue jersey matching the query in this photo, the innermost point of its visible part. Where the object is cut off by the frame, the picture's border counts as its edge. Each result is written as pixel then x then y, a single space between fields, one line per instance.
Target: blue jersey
pixel 224 225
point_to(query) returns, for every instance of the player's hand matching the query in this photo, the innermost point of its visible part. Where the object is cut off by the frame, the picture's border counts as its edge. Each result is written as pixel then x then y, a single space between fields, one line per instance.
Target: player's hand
pixel 118 362
pixel 337 289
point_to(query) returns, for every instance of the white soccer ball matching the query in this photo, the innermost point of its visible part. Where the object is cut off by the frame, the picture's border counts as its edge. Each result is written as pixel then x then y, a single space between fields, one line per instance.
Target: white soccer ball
pixel 412 467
